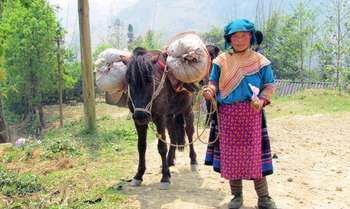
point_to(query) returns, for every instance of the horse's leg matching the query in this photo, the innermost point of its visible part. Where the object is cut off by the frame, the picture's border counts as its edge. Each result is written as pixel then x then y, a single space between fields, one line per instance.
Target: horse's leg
pixel 163 149
pixel 141 146
pixel 180 130
pixel 173 138
pixel 189 127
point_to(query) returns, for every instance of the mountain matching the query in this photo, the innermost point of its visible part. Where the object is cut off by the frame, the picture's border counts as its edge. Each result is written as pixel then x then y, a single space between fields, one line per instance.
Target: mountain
pixel 167 16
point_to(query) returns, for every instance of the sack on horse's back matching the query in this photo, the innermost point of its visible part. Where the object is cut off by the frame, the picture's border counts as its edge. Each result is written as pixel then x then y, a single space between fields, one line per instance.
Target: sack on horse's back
pixel 110 70
pixel 118 98
pixel 188 59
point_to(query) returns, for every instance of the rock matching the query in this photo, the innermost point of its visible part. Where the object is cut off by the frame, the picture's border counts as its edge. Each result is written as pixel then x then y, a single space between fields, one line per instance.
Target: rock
pixel 4 146
pixel 290 179
pixel 274 156
pixel 338 189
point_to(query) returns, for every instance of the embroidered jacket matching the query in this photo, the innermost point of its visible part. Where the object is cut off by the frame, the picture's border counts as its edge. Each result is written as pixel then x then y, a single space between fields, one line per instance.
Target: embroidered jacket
pixel 232 74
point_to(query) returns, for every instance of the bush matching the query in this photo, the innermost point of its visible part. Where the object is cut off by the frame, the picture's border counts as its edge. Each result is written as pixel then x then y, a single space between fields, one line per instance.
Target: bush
pixel 18 184
pixel 54 146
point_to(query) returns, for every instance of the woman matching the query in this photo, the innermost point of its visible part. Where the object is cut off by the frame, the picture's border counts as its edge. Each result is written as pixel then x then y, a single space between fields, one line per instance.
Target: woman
pixel 242 82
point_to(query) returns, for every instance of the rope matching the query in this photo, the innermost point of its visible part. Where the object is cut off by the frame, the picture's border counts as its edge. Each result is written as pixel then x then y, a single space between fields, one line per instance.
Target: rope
pixel 148 107
pixel 159 137
pixel 213 109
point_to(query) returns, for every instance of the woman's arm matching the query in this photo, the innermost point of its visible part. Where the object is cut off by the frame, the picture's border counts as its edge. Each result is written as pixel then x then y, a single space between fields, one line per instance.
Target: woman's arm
pixel 269 86
pixel 210 90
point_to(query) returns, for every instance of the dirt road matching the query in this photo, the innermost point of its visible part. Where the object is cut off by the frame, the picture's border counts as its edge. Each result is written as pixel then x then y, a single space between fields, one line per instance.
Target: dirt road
pixel 312 170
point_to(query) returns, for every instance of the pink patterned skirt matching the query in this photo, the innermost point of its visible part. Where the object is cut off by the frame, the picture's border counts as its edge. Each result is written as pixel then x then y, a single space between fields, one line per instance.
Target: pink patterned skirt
pixel 240 142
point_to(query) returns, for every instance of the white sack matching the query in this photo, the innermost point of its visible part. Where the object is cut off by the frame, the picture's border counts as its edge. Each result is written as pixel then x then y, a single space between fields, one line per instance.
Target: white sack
pixel 188 58
pixel 110 70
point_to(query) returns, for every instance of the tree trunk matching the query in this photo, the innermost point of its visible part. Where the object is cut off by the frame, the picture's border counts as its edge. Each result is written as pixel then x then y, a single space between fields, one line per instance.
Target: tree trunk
pixel 4 133
pixel 41 116
pixel 60 81
pixel 88 84
pixel 36 101
pixel 339 42
pixel 311 53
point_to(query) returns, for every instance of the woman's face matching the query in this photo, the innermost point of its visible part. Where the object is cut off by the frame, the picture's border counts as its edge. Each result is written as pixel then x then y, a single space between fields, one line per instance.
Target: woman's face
pixel 240 41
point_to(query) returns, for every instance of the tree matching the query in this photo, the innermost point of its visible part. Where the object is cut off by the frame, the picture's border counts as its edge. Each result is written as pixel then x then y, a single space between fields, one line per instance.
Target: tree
pixel 100 48
pixel 117 35
pixel 215 36
pixel 1 7
pixel 4 133
pixel 151 41
pixel 28 34
pixel 337 36
pixel 271 33
pixel 287 42
pixel 59 40
pixel 306 29
pixel 130 34
pixel 72 76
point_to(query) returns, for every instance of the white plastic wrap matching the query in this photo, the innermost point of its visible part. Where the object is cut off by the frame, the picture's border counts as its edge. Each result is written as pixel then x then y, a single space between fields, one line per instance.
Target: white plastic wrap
pixel 188 58
pixel 110 70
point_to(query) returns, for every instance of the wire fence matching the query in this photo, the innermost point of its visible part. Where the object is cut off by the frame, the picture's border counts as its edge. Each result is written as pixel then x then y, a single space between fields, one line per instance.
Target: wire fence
pixel 287 88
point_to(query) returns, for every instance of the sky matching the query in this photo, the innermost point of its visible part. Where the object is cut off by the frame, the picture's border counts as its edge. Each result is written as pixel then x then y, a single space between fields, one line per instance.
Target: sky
pixel 101 14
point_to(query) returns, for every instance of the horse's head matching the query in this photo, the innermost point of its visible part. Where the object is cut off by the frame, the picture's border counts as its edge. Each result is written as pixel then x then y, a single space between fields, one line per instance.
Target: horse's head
pixel 141 84
pixel 213 51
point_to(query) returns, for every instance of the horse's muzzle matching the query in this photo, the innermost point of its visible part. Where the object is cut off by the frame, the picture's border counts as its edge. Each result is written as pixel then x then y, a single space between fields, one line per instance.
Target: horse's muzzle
pixel 141 118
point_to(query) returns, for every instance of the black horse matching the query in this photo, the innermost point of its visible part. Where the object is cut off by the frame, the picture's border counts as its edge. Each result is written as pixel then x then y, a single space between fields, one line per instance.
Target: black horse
pixel 152 98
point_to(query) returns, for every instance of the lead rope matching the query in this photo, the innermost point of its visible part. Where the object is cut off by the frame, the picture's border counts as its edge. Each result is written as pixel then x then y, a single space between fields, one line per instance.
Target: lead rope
pixel 148 107
pixel 213 109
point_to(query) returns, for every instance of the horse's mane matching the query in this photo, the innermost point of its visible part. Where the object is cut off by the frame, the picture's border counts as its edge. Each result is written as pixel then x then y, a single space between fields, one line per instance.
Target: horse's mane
pixel 140 70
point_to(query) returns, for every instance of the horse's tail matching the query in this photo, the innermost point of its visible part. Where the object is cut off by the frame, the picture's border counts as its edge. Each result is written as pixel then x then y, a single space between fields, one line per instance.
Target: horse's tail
pixel 180 129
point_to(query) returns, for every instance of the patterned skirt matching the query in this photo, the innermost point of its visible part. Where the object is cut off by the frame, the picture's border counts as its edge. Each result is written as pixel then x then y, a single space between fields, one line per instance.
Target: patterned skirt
pixel 213 154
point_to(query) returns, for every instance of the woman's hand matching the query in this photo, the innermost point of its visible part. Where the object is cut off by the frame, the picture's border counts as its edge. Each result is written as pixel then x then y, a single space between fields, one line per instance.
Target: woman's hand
pixel 208 92
pixel 257 104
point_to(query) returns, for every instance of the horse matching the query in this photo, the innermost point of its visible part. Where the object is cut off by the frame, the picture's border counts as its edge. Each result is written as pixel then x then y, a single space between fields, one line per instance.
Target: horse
pixel 213 51
pixel 152 98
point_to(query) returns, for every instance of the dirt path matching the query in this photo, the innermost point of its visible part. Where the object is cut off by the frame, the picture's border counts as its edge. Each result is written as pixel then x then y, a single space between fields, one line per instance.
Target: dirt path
pixel 312 171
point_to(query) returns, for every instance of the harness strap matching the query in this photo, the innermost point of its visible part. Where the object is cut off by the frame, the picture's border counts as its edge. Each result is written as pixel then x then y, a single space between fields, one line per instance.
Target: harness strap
pixel 161 65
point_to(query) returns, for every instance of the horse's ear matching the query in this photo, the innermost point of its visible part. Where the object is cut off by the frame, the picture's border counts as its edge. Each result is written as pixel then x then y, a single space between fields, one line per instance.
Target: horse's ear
pixel 155 58
pixel 259 37
pixel 124 59
pixel 165 55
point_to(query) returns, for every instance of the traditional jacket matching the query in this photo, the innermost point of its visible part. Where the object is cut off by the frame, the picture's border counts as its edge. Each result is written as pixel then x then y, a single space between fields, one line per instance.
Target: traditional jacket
pixel 233 73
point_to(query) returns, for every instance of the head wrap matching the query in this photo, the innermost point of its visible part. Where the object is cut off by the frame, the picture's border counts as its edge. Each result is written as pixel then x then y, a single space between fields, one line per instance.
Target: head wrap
pixel 239 25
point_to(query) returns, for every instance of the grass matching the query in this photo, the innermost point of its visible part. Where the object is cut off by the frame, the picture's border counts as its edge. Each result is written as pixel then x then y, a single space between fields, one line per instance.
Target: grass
pixel 309 102
pixel 73 169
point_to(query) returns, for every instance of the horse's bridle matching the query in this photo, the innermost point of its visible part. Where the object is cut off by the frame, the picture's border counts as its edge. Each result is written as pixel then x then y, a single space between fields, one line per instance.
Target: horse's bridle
pixel 148 108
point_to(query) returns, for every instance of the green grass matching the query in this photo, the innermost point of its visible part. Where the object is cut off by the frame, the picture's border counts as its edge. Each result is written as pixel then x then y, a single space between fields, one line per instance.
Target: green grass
pixel 76 169
pixel 309 102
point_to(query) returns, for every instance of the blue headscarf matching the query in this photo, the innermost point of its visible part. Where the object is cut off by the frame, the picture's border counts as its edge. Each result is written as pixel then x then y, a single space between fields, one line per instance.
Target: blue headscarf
pixel 239 25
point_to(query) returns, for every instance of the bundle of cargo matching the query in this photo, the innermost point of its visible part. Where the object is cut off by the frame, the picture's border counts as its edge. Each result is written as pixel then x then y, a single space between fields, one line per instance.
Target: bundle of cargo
pixel 118 98
pixel 110 70
pixel 188 59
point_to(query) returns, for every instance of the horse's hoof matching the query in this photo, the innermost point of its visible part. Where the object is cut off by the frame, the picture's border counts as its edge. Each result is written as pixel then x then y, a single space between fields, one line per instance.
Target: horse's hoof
pixel 164 185
pixel 194 167
pixel 135 182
